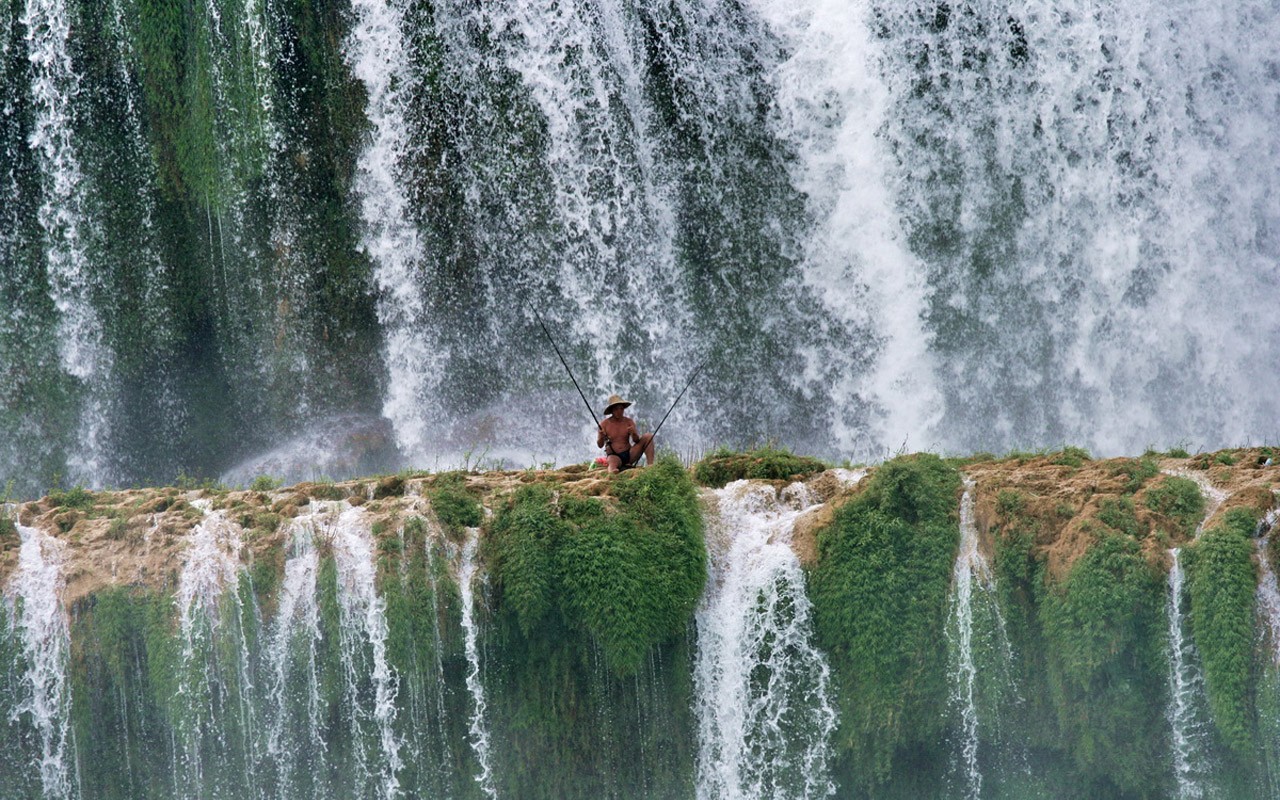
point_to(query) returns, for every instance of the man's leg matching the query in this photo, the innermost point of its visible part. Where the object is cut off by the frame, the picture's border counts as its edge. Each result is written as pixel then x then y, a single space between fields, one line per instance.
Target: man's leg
pixel 645 447
pixel 615 463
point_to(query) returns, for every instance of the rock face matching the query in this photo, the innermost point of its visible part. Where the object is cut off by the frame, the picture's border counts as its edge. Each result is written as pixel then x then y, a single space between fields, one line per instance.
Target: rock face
pixel 271 631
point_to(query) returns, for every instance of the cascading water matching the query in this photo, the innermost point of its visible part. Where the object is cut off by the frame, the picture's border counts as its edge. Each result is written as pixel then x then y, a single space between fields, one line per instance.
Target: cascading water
pixel 217 741
pixel 39 621
pixel 1186 688
pixel 965 636
pixel 478 729
pixel 763 693
pixel 294 739
pixel 363 627
pixel 379 57
pixel 67 227
pixel 1085 175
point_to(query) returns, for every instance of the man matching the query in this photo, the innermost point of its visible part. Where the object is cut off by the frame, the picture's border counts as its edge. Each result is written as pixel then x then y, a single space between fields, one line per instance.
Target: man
pixel 622 443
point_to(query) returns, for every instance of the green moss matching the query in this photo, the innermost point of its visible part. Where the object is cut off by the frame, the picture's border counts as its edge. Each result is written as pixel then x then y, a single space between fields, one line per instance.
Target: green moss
pixel 879 591
pixel 1103 631
pixel 1071 457
pixel 628 578
pixel 1178 499
pixel 1221 583
pixel 1138 472
pixel 766 463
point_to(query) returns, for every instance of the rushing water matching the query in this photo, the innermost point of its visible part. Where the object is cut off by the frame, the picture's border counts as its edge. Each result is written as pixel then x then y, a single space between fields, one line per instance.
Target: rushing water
pixel 478 729
pixel 764 704
pixel 1186 692
pixel 39 621
pixel 870 217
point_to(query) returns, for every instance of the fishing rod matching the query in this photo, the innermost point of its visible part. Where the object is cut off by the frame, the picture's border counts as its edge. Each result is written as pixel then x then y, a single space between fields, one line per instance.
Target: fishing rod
pixel 705 361
pixel 541 324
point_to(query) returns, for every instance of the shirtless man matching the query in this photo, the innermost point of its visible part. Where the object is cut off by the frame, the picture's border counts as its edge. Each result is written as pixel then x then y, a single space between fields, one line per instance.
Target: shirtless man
pixel 624 442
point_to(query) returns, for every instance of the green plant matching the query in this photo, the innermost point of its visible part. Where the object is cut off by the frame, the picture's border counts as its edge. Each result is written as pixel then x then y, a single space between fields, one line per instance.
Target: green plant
pixel 1103 628
pixel 628 577
pixel 265 483
pixel 1179 499
pixel 1225 458
pixel 1138 472
pixel 1074 457
pixel 1118 514
pixel 768 463
pixel 77 497
pixel 1178 452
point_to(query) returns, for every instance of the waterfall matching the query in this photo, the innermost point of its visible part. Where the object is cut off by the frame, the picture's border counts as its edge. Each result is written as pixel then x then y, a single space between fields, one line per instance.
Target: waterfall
pixel 831 106
pixel 970 564
pixel 217 746
pixel 1085 174
pixel 294 740
pixel 363 627
pixel 1186 686
pixel 1268 594
pixel 40 622
pixel 478 730
pixel 763 690
pixel 379 58
pixel 67 227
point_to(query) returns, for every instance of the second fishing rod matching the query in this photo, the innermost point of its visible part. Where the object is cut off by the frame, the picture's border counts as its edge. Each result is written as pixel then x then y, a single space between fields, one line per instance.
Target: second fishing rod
pixel 546 332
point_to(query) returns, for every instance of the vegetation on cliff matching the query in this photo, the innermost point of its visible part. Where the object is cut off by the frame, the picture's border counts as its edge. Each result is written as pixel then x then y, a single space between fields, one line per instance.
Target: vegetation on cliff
pixel 879 593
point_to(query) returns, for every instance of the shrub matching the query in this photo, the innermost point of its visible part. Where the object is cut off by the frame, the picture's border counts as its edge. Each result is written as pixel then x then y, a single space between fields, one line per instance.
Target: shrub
pixel 1137 471
pixel 1118 514
pixel 78 497
pixel 265 483
pixel 765 463
pixel 1074 457
pixel 879 591
pixel 628 578
pixel 1180 500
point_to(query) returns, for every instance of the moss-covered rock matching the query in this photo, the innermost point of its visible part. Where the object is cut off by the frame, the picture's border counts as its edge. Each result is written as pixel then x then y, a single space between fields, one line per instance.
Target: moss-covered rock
pixel 879 592
pixel 1221 582
pixel 766 463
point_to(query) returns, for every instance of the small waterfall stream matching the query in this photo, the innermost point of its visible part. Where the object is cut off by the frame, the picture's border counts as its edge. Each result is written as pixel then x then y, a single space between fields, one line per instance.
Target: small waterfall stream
pixel 478 729
pixel 294 740
pixel 762 689
pixel 1186 688
pixel 363 627
pixel 217 737
pixel 379 58
pixel 40 622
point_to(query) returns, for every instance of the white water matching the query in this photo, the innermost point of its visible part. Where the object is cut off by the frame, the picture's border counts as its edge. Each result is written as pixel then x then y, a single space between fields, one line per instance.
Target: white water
pixel 1186 686
pixel 36 614
pixel 66 224
pixel 1115 151
pixel 296 630
pixel 1268 598
pixel 478 730
pixel 970 565
pixel 763 692
pixel 830 106
pixel 210 611
pixel 363 626
pixel 378 56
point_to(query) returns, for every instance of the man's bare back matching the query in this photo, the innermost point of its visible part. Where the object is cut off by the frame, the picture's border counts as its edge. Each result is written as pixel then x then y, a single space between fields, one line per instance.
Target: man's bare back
pixel 619 437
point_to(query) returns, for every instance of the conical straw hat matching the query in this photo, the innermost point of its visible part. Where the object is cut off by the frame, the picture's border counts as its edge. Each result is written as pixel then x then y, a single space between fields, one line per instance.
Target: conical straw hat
pixel 615 400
